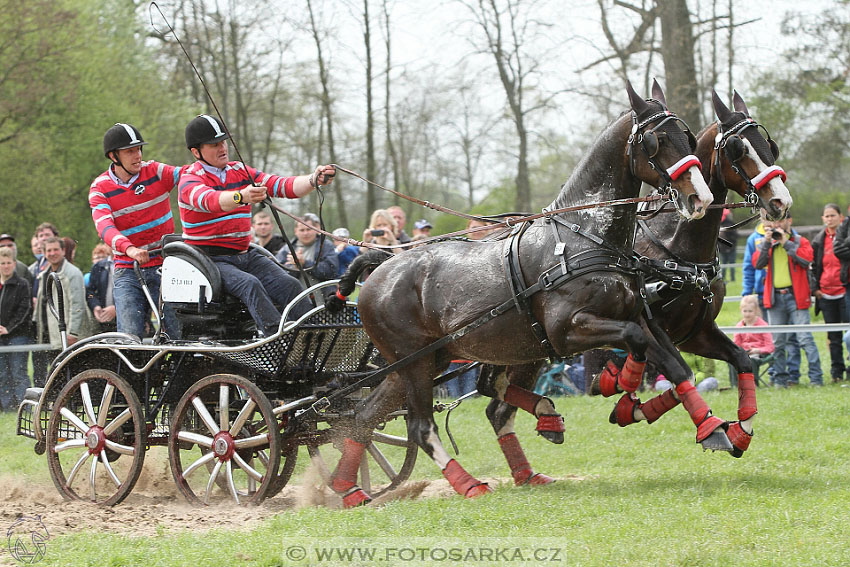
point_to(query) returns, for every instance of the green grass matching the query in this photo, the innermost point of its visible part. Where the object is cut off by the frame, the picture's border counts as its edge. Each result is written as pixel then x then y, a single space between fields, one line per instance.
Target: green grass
pixel 642 495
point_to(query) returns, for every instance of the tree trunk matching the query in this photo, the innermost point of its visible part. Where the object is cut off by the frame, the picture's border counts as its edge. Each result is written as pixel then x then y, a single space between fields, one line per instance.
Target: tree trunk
pixel 677 52
pixel 387 106
pixel 371 167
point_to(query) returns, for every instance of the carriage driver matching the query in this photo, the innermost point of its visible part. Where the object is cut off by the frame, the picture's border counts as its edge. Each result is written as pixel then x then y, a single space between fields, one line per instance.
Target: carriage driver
pixel 131 212
pixel 215 207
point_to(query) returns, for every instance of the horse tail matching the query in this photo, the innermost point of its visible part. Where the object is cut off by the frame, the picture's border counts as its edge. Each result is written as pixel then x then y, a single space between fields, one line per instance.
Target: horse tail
pixel 347 282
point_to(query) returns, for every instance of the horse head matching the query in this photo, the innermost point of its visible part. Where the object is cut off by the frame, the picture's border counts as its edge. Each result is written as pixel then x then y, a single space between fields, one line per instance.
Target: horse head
pixel 745 159
pixel 661 154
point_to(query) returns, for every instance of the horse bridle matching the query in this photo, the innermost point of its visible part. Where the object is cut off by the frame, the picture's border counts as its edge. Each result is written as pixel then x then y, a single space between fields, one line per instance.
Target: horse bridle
pixel 731 143
pixel 649 143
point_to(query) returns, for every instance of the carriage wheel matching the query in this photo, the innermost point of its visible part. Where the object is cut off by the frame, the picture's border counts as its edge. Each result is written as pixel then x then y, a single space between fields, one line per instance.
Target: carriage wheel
pixel 97 426
pixel 224 440
pixel 386 463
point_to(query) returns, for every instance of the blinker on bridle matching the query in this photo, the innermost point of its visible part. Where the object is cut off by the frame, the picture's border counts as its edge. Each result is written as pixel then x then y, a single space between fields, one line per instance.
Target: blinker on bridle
pixel 732 144
pixel 650 144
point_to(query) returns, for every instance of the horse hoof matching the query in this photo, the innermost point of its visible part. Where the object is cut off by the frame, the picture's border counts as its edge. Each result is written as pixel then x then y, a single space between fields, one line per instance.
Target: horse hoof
pixel 623 413
pixel 739 438
pixel 539 479
pixel 556 437
pixel 551 427
pixel 605 383
pixel 357 497
pixel 478 490
pixel 717 441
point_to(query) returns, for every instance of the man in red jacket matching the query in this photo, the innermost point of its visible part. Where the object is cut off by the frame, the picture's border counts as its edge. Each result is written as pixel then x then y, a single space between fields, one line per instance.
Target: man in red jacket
pixel 787 295
pixel 215 208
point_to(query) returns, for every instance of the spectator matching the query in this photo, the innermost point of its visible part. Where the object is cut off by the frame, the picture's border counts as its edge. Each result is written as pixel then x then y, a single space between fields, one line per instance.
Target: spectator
pixel 828 287
pixel 753 283
pixel 400 221
pixel 382 229
pixel 344 251
pixel 758 345
pixel 40 359
pixel 264 232
pixel 728 252
pixel 422 228
pixel 787 295
pixel 131 213
pixel 463 384
pixel 100 252
pixel 478 234
pixel 8 241
pixel 215 206
pixel 70 248
pixel 99 294
pixel 35 248
pixel 322 264
pixel 841 249
pixel 15 317
pixel 74 295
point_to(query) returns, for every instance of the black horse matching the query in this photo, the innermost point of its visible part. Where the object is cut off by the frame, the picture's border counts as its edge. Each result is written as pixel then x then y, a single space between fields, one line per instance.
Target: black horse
pixel 588 292
pixel 735 156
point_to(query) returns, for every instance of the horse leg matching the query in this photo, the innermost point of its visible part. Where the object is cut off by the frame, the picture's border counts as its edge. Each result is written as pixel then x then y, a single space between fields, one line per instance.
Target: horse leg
pixel 501 416
pixel 621 334
pixel 513 386
pixel 712 343
pixel 710 428
pixel 387 397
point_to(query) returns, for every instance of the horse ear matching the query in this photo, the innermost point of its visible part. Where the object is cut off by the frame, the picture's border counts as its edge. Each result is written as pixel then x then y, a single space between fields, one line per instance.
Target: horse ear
pixel 720 109
pixel 638 104
pixel 739 104
pixel 657 93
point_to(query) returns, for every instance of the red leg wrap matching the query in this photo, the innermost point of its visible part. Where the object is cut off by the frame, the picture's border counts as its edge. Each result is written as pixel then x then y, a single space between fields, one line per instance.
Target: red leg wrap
pixel 554 423
pixel 739 438
pixel 708 426
pixel 659 405
pixel 747 407
pixel 699 411
pixel 464 483
pixel 344 478
pixel 520 469
pixel 355 497
pixel 607 380
pixel 624 411
pixel 631 374
pixel 522 398
pixel 539 479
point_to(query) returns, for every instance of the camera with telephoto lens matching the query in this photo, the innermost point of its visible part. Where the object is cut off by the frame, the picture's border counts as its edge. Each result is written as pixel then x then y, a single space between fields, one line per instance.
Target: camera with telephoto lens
pixel 776 235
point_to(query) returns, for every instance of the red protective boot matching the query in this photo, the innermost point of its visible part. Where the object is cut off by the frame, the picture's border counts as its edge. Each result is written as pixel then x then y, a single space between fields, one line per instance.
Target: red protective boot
pixel 520 469
pixel 747 406
pixel 631 374
pixel 659 405
pixel 344 478
pixel 464 483
pixel 699 411
pixel 623 413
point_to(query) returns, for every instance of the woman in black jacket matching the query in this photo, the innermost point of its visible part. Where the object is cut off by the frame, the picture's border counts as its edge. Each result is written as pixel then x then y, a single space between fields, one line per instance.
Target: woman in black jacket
pixel 15 316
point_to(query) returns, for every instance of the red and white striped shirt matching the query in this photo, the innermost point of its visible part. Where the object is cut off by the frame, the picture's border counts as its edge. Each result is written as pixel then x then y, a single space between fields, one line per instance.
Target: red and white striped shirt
pixel 204 222
pixel 136 213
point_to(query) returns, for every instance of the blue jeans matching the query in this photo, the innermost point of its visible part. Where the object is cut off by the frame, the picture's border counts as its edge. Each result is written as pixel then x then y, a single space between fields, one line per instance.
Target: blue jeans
pixel 132 310
pixel 785 312
pixel 792 357
pixel 263 286
pixel 14 379
pixel 463 384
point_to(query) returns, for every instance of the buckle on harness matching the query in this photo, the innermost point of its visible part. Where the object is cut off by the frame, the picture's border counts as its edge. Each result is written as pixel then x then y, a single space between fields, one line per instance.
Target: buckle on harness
pixel 671 265
pixel 677 284
pixel 321 405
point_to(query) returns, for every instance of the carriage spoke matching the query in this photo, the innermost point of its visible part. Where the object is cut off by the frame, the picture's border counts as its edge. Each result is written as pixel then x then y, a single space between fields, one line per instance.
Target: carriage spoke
pixel 105 402
pixel 255 441
pixel 109 470
pixel 76 468
pixel 119 448
pixel 202 461
pixel 92 478
pixel 204 414
pixel 211 483
pixel 69 444
pixel 249 470
pixel 243 416
pixel 264 458
pixel 119 420
pixel 195 438
pixel 224 406
pixel 230 485
pixel 86 396
pixel 382 461
pixel 75 421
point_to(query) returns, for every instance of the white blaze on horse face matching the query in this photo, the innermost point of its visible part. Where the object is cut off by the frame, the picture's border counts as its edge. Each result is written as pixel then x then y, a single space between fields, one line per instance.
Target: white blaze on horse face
pixel 778 189
pixel 702 191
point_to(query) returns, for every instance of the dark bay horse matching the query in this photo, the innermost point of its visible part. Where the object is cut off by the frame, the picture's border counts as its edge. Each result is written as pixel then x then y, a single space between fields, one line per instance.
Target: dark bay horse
pixel 590 295
pixel 735 156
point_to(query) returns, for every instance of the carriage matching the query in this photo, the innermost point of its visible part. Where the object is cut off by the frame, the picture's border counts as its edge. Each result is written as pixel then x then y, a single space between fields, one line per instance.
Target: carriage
pixel 232 409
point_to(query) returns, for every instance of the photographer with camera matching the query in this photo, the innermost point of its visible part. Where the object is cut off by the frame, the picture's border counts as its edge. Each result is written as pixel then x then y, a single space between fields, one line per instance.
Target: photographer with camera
pixel 321 264
pixel 787 296
pixel 381 230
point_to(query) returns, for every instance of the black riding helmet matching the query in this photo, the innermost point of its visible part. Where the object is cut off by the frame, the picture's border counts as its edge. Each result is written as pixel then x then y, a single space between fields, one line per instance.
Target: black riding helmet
pixel 205 129
pixel 121 137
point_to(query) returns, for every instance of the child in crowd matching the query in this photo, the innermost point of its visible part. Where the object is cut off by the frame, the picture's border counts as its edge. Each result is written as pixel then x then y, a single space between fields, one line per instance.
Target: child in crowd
pixel 758 345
